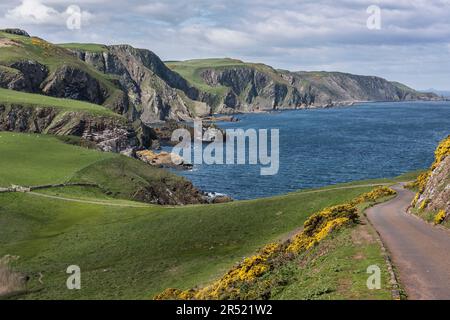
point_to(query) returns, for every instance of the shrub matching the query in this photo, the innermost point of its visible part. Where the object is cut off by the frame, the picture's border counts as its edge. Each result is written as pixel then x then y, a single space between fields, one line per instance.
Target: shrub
pixel 440 217
pixel 424 204
pixel 236 282
pixel 442 151
pixel 374 195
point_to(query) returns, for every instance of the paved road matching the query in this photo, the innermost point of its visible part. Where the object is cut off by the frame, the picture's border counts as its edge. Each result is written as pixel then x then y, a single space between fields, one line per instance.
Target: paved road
pixel 419 250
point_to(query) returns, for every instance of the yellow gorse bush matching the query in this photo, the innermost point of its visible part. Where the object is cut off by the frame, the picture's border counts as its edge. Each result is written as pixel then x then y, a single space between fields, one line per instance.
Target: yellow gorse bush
pixel 40 43
pixel 246 271
pixel 320 224
pixel 442 151
pixel 316 228
pixel 303 242
pixel 440 217
pixel 374 195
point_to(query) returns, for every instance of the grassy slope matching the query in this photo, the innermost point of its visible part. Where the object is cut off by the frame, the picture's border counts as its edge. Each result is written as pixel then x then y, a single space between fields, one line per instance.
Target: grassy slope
pixel 52 56
pixel 10 97
pixel 123 176
pixel 144 250
pixel 336 268
pixel 39 159
pixel 129 252
pixel 90 47
pixel 31 159
pixel 191 70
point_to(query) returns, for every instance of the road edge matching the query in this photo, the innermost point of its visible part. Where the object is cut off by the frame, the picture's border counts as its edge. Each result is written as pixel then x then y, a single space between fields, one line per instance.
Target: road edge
pixel 393 281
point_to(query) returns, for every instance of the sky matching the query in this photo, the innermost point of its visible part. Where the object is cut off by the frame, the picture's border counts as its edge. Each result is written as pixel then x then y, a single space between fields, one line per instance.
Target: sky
pixel 401 40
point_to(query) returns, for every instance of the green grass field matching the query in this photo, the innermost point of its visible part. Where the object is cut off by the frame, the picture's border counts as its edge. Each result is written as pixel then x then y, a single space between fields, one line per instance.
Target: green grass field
pixel 89 47
pixel 33 159
pixel 128 252
pixel 29 159
pixel 11 97
pixel 137 252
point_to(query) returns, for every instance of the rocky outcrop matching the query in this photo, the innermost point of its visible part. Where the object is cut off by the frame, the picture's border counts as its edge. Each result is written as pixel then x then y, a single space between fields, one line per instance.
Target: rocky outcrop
pixel 33 73
pixel 255 87
pixel 11 79
pixel 436 194
pixel 252 90
pixel 169 192
pixel 155 93
pixel 15 31
pixel 24 75
pixel 108 133
pixel 162 159
pixel 74 83
pixel 65 82
pixel 331 88
pixel 434 185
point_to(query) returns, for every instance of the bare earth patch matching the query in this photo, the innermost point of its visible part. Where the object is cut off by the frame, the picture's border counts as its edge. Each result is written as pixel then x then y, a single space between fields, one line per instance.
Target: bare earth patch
pixel 4 43
pixel 361 234
pixel 10 281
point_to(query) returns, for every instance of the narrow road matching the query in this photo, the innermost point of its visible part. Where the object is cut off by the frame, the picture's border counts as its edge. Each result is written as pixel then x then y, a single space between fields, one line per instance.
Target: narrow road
pixel 419 250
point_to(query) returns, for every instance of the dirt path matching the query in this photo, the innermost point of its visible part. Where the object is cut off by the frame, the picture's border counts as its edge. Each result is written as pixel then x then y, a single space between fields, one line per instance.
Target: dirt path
pixel 106 203
pixel 419 250
pixel 89 201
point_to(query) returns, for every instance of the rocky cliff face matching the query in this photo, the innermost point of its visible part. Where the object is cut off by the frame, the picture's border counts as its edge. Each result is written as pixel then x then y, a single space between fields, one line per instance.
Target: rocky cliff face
pixel 137 84
pixel 109 134
pixel 437 190
pixel 252 90
pixel 154 92
pixel 434 185
pixel 65 81
pixel 26 75
pixel 72 83
pixel 256 88
pixel 329 88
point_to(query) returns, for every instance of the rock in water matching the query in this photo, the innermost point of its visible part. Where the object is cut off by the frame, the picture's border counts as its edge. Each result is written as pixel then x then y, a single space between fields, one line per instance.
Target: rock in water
pixel 162 159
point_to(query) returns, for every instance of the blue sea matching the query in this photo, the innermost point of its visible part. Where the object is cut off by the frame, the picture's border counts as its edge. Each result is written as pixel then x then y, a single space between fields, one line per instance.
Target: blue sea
pixel 320 147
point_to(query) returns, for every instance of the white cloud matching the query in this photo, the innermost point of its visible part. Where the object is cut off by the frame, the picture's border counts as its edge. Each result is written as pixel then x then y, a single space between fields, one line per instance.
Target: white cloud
pixel 290 34
pixel 35 12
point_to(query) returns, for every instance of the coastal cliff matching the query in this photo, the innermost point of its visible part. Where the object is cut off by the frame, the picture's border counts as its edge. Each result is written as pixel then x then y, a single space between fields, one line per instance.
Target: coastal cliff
pixel 238 86
pixel 147 92
pixel 154 92
pixel 434 185
pixel 110 134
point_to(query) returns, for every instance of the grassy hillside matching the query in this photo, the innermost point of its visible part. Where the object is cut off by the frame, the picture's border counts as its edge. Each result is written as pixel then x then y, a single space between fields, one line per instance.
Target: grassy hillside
pixel 10 97
pixel 125 249
pixel 138 252
pixel 335 269
pixel 32 159
pixel 29 160
pixel 89 47
pixel 191 70
pixel 18 48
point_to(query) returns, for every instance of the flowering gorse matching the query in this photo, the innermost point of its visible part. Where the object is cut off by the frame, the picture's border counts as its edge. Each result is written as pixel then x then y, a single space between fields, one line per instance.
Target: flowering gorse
pixel 318 227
